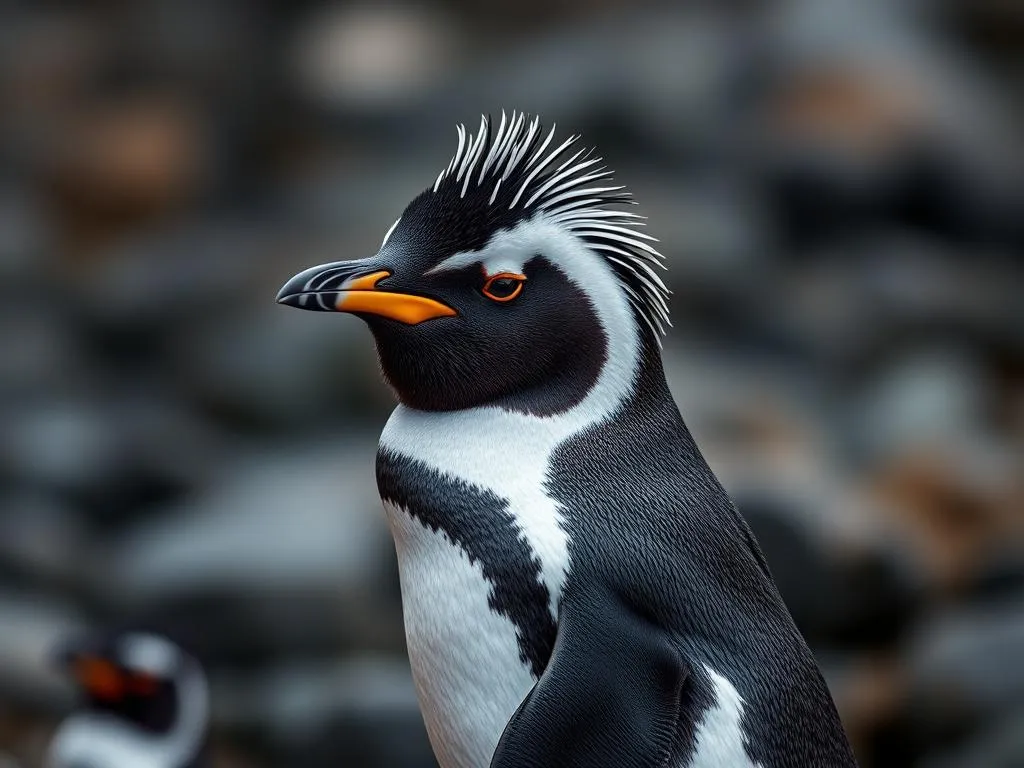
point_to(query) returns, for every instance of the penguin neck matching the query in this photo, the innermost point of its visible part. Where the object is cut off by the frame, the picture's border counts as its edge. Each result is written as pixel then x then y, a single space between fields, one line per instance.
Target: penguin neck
pixel 651 403
pixel 104 739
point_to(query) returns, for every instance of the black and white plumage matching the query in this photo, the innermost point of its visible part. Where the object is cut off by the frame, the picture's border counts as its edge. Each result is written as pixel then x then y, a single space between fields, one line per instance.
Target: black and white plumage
pixel 144 705
pixel 578 588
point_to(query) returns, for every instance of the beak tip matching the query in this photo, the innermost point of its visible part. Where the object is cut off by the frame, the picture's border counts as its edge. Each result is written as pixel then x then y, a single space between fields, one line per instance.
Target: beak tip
pixel 291 300
pixel 287 295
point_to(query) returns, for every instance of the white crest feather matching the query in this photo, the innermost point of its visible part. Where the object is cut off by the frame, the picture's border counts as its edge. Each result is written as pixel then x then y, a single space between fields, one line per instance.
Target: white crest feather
pixel 515 155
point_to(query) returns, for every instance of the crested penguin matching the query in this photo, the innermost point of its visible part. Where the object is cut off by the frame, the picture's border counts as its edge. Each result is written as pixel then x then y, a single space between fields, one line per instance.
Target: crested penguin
pixel 144 704
pixel 578 589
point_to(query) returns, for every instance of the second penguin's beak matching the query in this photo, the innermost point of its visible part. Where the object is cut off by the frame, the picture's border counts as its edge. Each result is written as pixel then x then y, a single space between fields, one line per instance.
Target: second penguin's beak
pixel 90 670
pixel 349 286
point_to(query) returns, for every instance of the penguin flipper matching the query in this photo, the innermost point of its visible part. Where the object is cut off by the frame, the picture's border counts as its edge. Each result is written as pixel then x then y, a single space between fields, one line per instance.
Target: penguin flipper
pixel 610 694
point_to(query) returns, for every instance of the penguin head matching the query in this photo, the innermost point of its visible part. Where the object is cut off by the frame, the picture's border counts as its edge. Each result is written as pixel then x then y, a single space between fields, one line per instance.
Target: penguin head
pixel 515 280
pixel 141 679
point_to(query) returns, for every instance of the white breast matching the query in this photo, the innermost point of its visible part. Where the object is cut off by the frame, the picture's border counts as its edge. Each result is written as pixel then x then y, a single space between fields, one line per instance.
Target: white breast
pixel 498 451
pixel 90 739
pixel 465 658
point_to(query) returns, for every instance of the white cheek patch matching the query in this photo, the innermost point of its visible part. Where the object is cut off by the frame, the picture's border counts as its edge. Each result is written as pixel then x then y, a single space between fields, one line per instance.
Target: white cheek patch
pixel 504 267
pixel 149 654
pixel 507 251
pixel 511 250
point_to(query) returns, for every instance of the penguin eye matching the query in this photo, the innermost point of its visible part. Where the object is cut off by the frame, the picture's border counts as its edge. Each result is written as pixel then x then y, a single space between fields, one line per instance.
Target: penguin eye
pixel 504 286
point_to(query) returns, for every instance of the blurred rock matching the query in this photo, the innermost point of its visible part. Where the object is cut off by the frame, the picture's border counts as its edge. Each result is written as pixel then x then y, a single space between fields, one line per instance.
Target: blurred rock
pixel 1001 573
pixel 41 354
pixel 878 594
pixel 956 504
pixel 841 593
pixel 289 550
pixel 926 397
pixel 111 457
pixel 42 541
pixel 361 712
pixel 34 624
pixel 668 70
pixel 868 689
pixel 67 446
pixel 995 28
pixel 997 745
pixel 964 669
pixel 167 448
pixel 868 119
pixel 25 236
pixel 274 367
pixel 173 280
pixel 368 57
pixel 125 160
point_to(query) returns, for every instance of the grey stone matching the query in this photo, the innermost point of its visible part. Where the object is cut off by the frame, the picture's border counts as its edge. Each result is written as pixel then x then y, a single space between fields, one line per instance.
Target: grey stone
pixel 362 712
pixel 40 353
pixel 65 445
pixel 964 664
pixel 278 368
pixel 930 395
pixel 112 455
pixel 288 550
pixel 33 625
pixel 150 285
pixel 24 237
pixel 372 58
pixel 999 744
pixel 41 539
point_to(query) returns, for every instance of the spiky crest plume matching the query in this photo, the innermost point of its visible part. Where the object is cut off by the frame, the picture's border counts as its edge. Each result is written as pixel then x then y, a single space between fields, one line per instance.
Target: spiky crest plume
pixel 571 194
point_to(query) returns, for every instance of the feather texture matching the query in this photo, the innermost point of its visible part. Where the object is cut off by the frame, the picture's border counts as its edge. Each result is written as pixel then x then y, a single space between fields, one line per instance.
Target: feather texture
pixel 575 193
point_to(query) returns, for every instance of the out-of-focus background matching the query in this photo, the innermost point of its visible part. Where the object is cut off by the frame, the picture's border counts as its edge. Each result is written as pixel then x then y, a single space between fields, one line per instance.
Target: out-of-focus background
pixel 837 185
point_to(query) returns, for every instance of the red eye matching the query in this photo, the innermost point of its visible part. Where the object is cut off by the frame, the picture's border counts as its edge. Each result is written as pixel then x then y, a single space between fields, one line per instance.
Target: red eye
pixel 504 286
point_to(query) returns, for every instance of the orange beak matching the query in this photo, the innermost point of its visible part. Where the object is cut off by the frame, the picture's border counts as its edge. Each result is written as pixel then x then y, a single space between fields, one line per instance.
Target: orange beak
pixel 333 288
pixel 100 678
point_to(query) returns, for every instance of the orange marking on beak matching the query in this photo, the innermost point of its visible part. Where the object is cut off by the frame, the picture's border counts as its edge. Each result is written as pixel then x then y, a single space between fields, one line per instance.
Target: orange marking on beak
pixel 362 295
pixel 100 678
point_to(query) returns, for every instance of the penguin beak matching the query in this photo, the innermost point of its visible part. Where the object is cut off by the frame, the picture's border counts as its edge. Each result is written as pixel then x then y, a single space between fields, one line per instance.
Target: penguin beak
pixel 96 675
pixel 100 678
pixel 351 286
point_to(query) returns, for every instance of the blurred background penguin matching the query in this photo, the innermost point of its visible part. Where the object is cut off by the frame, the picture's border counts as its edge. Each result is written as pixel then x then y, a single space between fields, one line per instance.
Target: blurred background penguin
pixel 837 187
pixel 142 703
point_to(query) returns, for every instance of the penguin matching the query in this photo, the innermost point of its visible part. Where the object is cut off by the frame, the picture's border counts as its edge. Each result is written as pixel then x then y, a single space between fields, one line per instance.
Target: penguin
pixel 144 704
pixel 578 588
